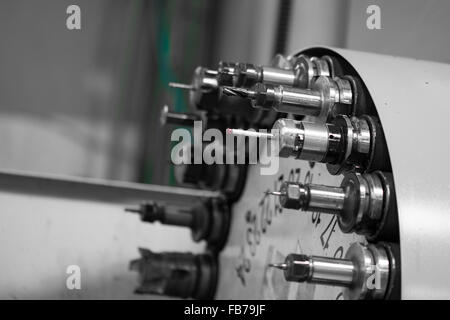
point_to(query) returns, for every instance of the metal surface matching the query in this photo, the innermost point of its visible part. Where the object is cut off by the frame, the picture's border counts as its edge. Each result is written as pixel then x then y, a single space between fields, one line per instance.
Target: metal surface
pixel 42 234
pixel 279 76
pixel 364 272
pixel 326 270
pixel 288 132
pixel 208 219
pixel 117 192
pixel 335 94
pixel 327 198
pixel 315 141
pixel 363 261
pixel 298 72
pixel 314 269
pixel 325 96
pixel 176 274
pixel 262 233
pixel 361 203
pixel 417 161
pixel 49 223
pixel 421 178
pixel 345 144
pixel 307 69
pixel 296 101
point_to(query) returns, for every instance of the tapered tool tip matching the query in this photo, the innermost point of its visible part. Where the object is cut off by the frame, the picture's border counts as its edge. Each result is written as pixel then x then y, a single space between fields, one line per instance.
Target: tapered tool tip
pixel 274 193
pixel 236 92
pixel 134 210
pixel 281 266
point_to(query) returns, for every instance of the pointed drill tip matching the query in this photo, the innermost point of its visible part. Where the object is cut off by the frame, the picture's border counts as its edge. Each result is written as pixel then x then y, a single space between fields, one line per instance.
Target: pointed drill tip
pixel 133 210
pixel 281 266
pixel 274 193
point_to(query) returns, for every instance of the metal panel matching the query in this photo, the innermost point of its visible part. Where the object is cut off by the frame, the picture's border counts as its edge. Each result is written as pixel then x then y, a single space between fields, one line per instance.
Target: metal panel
pixel 48 223
pixel 118 192
pixel 404 90
pixel 260 235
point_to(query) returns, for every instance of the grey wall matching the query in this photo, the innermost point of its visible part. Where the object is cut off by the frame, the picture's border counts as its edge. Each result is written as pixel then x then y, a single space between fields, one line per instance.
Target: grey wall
pixel 410 28
pixel 58 92
pixel 247 30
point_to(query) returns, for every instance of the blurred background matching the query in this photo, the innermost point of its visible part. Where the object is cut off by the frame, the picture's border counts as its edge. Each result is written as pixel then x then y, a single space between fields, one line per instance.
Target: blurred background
pixel 87 102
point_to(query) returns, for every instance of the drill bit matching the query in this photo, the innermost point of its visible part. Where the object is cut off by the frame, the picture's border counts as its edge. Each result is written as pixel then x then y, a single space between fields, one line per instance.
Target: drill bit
pixel 249 133
pixel 274 193
pixel 239 92
pixel 281 266
pixel 134 210
pixel 181 86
